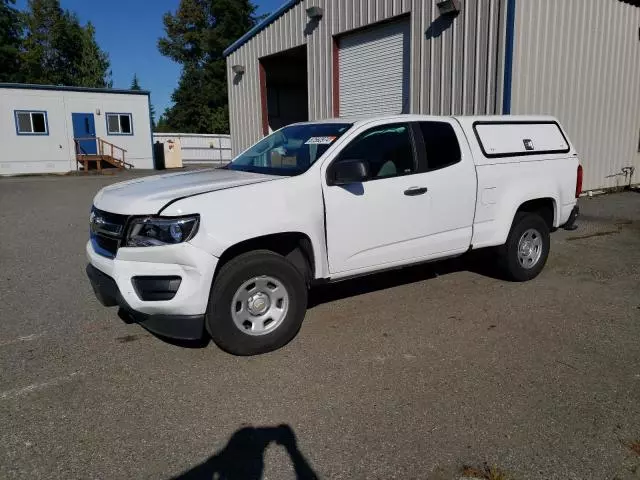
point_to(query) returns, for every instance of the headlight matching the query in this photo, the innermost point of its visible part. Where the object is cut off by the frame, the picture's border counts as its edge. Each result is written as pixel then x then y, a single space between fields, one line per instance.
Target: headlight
pixel 155 231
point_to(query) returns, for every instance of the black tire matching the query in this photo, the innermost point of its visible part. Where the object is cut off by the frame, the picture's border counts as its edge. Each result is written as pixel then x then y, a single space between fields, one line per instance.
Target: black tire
pixel 232 275
pixel 508 253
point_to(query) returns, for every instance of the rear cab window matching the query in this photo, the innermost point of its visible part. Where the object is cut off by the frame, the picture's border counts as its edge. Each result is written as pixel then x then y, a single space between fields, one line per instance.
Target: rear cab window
pixel 441 145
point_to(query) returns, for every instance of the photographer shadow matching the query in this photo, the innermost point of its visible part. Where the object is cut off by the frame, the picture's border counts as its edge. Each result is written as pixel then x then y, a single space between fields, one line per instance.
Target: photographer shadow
pixel 243 456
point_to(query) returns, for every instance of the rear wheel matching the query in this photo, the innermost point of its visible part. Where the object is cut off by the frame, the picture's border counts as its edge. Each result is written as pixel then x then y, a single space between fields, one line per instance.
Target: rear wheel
pixel 525 253
pixel 257 303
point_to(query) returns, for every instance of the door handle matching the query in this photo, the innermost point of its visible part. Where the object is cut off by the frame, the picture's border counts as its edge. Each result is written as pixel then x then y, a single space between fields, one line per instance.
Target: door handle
pixel 413 191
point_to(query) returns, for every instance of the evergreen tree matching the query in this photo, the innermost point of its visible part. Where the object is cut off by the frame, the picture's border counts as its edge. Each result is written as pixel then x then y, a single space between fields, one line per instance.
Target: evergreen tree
pixel 10 42
pixel 152 111
pixel 39 60
pixel 162 126
pixel 58 50
pixel 135 83
pixel 95 67
pixel 196 36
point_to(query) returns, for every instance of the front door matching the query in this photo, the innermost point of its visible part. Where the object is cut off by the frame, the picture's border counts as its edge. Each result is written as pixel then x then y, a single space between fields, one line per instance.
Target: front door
pixel 380 221
pixel 84 129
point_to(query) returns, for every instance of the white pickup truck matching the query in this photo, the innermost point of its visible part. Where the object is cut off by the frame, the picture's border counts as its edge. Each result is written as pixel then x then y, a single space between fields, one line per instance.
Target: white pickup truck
pixel 232 252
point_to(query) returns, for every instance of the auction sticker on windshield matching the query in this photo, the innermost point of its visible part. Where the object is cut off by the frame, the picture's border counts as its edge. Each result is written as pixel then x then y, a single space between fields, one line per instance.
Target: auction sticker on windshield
pixel 320 140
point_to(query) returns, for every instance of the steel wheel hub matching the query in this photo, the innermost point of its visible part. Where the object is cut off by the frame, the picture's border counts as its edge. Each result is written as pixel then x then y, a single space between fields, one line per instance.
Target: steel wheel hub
pixel 530 248
pixel 260 305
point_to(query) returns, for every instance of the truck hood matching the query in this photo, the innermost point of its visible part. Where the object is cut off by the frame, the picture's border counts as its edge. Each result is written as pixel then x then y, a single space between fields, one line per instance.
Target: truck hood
pixel 144 196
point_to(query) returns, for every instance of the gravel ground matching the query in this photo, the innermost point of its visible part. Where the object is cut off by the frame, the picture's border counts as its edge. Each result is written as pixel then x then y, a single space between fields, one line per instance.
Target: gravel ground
pixel 408 374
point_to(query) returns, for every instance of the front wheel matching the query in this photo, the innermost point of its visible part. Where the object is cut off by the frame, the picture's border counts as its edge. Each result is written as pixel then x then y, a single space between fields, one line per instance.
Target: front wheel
pixel 525 253
pixel 257 303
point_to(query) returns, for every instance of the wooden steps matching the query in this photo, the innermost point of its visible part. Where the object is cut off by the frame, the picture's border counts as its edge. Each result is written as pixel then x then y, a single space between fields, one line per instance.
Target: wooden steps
pixel 101 161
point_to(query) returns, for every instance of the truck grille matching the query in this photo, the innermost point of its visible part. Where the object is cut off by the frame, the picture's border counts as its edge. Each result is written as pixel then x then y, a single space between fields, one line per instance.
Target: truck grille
pixel 107 231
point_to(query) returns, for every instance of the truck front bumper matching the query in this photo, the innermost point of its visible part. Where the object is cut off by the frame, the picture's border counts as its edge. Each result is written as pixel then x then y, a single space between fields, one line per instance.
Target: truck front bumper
pixel 182 327
pixel 178 315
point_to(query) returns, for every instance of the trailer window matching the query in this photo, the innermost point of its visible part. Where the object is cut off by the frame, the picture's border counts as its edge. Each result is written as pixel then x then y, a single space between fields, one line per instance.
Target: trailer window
pixel 119 124
pixel 31 122
pixel 441 145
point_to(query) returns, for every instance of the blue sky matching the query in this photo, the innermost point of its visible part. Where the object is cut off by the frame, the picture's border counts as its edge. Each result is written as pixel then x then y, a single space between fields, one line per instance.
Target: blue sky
pixel 129 30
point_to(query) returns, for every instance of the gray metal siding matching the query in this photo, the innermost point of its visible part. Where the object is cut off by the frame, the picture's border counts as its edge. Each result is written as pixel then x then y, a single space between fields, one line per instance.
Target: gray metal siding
pixel 244 92
pixel 340 16
pixel 461 66
pixel 374 70
pixel 454 71
pixel 580 61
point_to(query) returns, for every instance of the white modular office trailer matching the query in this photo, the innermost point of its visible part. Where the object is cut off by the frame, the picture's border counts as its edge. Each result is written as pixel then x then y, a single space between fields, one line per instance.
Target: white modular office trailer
pixel 42 127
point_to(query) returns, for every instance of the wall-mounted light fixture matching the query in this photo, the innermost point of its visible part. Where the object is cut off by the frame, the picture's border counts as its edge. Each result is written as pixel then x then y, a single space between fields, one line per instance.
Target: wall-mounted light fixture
pixel 98 111
pixel 238 69
pixel 448 7
pixel 315 13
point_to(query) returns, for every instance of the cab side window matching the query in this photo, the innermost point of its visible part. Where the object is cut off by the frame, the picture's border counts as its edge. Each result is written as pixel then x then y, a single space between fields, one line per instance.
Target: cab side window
pixel 388 150
pixel 441 145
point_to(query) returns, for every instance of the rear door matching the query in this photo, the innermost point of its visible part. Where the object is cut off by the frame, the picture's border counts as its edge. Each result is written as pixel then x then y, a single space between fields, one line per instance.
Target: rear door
pixel 451 178
pixel 84 130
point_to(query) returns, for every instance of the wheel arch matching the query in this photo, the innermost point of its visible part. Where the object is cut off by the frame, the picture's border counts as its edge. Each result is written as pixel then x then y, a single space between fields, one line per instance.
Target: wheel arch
pixel 295 246
pixel 525 252
pixel 546 207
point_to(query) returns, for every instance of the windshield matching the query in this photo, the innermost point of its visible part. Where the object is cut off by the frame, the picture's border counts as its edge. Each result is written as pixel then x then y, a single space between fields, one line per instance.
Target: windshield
pixel 291 150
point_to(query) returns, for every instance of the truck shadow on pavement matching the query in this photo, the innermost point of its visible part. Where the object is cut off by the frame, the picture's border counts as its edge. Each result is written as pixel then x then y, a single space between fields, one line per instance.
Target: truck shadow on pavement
pixel 194 344
pixel 243 456
pixel 480 262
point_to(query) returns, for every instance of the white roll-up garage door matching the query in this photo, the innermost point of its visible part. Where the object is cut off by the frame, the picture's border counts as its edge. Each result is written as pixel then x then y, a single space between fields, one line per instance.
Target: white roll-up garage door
pixel 374 70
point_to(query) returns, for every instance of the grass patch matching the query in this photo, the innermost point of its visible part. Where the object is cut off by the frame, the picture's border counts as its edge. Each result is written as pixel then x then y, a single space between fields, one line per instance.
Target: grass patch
pixel 634 447
pixel 485 472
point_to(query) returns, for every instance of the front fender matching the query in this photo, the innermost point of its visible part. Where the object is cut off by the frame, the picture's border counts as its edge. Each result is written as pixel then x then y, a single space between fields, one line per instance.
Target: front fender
pixel 234 215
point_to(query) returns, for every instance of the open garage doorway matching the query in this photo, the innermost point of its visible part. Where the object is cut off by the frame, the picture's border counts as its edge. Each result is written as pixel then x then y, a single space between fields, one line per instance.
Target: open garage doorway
pixel 283 87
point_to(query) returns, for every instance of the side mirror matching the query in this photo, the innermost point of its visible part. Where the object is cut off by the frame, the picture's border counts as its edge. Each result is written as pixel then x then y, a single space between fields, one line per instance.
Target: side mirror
pixel 349 171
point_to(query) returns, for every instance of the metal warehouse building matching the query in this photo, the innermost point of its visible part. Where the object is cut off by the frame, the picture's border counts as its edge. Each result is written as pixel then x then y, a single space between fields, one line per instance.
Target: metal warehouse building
pixel 576 59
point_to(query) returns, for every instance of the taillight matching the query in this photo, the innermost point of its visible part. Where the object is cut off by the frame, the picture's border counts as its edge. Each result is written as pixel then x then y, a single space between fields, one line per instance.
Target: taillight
pixel 579 181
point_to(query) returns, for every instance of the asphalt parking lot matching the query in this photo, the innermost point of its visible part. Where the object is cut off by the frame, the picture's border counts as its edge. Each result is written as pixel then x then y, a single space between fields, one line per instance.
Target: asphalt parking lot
pixel 409 374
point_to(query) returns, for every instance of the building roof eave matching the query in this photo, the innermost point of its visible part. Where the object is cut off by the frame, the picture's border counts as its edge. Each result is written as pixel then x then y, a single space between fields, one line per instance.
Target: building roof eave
pixel 289 4
pixel 65 88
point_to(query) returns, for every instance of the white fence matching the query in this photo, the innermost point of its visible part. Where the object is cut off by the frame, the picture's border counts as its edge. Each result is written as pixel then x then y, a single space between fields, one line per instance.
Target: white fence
pixel 200 148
